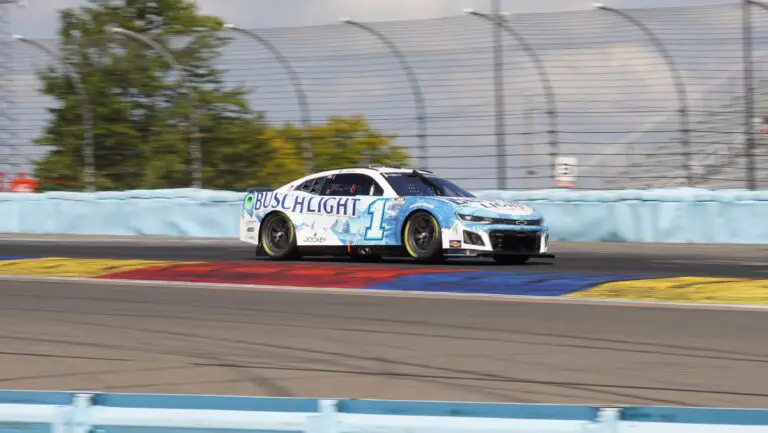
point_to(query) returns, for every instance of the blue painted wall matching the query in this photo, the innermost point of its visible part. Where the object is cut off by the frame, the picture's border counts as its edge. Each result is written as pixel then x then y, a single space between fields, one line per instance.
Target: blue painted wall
pixel 677 215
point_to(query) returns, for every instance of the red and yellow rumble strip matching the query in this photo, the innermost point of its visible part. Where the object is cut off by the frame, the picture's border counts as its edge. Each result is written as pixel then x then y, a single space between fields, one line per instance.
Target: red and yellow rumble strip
pixel 67 267
pixel 704 290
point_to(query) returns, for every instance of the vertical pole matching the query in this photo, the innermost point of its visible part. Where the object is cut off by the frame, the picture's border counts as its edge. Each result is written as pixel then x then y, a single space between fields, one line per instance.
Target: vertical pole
pixel 306 118
pixel 677 78
pixel 194 147
pixel 86 110
pixel 527 145
pixel 749 96
pixel 545 83
pixel 421 117
pixel 498 78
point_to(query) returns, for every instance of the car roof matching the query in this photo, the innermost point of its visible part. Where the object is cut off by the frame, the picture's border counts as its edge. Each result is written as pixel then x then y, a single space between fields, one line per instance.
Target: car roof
pixel 369 170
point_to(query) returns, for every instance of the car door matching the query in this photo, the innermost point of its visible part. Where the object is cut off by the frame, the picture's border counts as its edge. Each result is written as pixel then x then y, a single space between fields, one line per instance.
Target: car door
pixel 354 207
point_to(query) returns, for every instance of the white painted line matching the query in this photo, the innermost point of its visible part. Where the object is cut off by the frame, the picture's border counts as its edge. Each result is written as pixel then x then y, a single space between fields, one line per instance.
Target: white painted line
pixel 387 293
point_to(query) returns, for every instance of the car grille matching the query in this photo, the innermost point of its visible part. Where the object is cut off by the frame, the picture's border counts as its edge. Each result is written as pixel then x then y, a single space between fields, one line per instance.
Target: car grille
pixel 517 222
pixel 512 241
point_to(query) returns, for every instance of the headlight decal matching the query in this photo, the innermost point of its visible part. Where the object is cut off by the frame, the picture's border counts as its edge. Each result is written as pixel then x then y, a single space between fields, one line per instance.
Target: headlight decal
pixel 503 221
pixel 474 219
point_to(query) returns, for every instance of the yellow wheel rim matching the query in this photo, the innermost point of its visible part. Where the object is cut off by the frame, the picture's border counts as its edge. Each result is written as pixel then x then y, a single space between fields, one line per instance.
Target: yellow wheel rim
pixel 408 225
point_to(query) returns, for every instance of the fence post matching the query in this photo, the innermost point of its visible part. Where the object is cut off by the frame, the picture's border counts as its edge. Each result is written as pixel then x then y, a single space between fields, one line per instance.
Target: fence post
pixel 81 404
pixel 327 419
pixel 608 419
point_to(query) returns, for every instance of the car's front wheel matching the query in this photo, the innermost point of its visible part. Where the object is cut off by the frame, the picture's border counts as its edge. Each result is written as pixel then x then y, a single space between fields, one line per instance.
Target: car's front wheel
pixel 278 237
pixel 422 237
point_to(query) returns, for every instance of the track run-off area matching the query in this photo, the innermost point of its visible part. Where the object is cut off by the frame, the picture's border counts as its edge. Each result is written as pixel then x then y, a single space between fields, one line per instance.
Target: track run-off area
pixel 71 318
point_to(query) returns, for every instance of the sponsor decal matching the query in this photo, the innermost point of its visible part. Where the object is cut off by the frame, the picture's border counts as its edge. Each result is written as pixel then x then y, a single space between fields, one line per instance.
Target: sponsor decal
pixel 336 206
pixel 454 244
pixel 314 239
pixel 250 229
pixel 488 204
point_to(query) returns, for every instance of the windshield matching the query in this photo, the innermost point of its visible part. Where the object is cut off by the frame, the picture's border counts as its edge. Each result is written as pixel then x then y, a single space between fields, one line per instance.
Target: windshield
pixel 407 184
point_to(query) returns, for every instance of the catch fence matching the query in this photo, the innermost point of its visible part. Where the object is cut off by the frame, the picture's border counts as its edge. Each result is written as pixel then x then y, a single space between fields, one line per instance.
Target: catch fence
pixel 642 98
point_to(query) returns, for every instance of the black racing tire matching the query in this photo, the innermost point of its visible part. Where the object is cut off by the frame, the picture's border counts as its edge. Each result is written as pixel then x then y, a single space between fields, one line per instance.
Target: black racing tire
pixel 510 259
pixel 278 237
pixel 422 237
pixel 259 251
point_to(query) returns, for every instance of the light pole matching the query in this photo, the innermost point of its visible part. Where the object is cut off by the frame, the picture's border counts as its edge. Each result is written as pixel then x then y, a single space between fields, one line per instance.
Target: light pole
pixel 677 79
pixel 546 85
pixel 87 110
pixel 194 145
pixel 749 88
pixel 295 82
pixel 421 117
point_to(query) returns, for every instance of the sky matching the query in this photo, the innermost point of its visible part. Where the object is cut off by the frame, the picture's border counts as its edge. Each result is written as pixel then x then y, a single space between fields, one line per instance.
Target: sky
pixel 612 88
pixel 38 18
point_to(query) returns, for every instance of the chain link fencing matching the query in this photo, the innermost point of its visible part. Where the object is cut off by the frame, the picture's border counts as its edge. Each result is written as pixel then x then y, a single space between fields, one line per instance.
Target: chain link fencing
pixel 642 98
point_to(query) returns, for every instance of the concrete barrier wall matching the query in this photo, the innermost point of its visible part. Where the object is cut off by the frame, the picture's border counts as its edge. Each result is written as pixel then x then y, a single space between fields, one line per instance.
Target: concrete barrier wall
pixel 676 215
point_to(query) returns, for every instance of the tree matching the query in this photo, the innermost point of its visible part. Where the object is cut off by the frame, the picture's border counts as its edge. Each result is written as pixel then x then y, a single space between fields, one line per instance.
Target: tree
pixel 141 114
pixel 341 142
pixel 141 111
pixel 351 142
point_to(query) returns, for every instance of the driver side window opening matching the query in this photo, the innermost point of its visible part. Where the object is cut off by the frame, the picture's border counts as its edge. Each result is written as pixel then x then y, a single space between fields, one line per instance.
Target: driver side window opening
pixel 352 184
pixel 312 186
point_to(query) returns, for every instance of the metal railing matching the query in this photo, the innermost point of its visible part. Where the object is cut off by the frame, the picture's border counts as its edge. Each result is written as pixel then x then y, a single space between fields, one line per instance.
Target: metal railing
pixel 643 98
pixel 85 412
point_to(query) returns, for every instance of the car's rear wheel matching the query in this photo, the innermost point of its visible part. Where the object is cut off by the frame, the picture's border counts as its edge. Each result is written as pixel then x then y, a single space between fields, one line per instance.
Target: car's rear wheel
pixel 510 259
pixel 422 237
pixel 278 237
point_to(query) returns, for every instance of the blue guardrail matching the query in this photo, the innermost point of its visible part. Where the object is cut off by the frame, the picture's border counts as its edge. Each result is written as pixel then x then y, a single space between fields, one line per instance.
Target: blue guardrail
pixel 84 412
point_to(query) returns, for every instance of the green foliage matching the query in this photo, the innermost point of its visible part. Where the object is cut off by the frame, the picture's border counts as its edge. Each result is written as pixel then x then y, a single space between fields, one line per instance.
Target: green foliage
pixel 141 110
pixel 339 143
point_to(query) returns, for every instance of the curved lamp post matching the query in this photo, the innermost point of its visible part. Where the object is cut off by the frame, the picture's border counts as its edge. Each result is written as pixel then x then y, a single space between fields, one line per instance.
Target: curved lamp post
pixel 295 82
pixel 87 110
pixel 682 98
pixel 543 78
pixel 749 88
pixel 194 145
pixel 421 117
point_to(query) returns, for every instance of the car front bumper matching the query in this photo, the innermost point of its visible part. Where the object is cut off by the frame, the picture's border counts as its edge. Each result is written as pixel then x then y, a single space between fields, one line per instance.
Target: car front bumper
pixel 474 239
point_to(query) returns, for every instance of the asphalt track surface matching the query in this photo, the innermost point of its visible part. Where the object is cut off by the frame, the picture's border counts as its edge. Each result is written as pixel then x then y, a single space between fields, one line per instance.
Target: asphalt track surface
pixel 663 260
pixel 150 338
pixel 120 337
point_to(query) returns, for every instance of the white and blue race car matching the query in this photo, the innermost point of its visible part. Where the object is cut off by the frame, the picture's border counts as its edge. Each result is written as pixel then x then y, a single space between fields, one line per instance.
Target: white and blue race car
pixel 367 213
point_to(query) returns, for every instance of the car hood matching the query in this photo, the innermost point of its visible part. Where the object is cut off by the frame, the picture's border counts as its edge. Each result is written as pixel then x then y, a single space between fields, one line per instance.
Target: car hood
pixel 493 208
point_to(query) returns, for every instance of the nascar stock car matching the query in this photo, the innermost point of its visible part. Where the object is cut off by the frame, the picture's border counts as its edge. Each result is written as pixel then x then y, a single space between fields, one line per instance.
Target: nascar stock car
pixel 368 213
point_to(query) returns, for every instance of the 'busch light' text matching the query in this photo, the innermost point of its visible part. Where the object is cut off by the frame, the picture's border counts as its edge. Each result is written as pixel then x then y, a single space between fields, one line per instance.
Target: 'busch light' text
pixel 337 206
